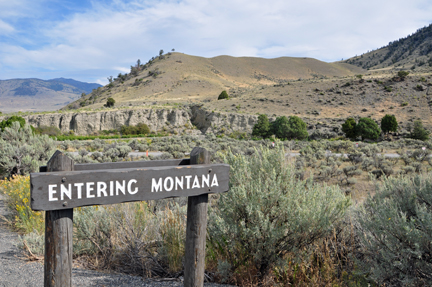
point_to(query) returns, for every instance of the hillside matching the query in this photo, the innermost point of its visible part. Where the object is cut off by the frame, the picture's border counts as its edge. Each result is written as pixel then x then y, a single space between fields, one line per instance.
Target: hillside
pixel 318 92
pixel 40 95
pixel 412 52
pixel 180 78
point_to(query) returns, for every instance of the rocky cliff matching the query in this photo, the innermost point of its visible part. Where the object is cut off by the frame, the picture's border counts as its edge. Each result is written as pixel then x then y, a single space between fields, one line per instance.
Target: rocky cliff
pixel 192 120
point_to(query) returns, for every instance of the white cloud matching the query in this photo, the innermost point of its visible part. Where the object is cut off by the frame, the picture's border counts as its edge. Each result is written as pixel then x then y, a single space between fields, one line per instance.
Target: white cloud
pixel 116 34
pixel 5 28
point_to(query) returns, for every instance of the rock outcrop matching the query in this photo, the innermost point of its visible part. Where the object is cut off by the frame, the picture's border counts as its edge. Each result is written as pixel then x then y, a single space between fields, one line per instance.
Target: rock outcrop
pixel 191 120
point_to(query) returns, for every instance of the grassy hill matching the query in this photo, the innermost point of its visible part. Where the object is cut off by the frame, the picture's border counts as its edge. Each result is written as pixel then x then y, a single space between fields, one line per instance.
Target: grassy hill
pixel 40 95
pixel 181 78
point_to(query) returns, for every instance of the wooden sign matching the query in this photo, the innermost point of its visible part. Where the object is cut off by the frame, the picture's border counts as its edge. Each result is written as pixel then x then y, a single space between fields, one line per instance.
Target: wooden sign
pixel 69 189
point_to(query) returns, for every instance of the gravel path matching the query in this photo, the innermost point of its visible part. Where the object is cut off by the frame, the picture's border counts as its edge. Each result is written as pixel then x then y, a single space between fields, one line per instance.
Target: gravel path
pixel 17 272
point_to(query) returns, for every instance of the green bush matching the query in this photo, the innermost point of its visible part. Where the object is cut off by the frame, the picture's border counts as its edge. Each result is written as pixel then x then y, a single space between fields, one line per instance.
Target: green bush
pixel 48 130
pixel 8 123
pixel 280 127
pixel 292 128
pixel 223 95
pixel 262 127
pixel 349 128
pixel 419 132
pixel 368 129
pixel 139 129
pixel 268 212
pixel 110 102
pixel 395 231
pixel 297 128
pixel 22 151
pixel 389 124
pixel 403 74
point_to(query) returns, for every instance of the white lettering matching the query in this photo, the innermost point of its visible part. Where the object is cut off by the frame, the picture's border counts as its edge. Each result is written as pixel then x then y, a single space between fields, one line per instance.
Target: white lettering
pixel 101 188
pixel 67 191
pixel 51 192
pixel 196 182
pixel 205 180
pixel 215 181
pixel 178 182
pixel 129 187
pixel 188 177
pixel 156 186
pixel 79 189
pixel 121 187
pixel 89 188
pixel 171 183
pixel 111 188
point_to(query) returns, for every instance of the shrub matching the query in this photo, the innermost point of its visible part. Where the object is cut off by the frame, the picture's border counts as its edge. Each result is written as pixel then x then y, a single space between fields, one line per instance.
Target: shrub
pixel 292 128
pixel 403 74
pixel 110 102
pixel 297 128
pixel 223 95
pixel 419 132
pixel 22 151
pixel 280 127
pixel 8 123
pixel 139 129
pixel 17 191
pixel 394 227
pixel 48 130
pixel 262 127
pixel 368 129
pixel 268 212
pixel 349 128
pixel 389 124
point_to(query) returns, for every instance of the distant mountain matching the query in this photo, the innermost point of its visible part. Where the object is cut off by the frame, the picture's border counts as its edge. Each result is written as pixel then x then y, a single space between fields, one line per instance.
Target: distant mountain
pixel 40 95
pixel 85 87
pixel 411 52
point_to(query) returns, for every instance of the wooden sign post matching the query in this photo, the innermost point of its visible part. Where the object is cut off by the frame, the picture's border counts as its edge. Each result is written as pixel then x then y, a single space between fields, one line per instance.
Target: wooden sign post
pixel 61 186
pixel 58 234
pixel 196 228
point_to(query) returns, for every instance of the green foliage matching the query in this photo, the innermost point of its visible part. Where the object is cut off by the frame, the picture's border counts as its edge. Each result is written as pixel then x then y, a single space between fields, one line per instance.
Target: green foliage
pixel 223 95
pixel 139 129
pixel 395 231
pixel 367 128
pixel 262 127
pixel 268 212
pixel 349 128
pixel 8 123
pixel 48 130
pixel 292 128
pixel 403 74
pixel 110 102
pixel 280 127
pixel 297 128
pixel 22 151
pixel 419 132
pixel 389 124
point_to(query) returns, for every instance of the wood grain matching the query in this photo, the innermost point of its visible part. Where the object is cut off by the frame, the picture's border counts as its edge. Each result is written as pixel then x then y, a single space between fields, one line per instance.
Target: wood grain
pixel 196 228
pixel 58 234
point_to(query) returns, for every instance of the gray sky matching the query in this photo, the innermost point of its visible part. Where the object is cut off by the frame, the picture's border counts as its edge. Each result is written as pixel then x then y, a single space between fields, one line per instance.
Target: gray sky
pixel 91 40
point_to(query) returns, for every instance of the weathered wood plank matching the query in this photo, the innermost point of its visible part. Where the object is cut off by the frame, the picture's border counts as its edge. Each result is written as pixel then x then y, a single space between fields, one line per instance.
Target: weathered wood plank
pixel 58 235
pixel 68 189
pixel 196 229
pixel 126 164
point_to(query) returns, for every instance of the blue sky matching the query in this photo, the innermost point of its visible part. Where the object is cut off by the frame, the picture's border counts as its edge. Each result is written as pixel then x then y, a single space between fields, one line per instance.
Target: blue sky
pixel 91 40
